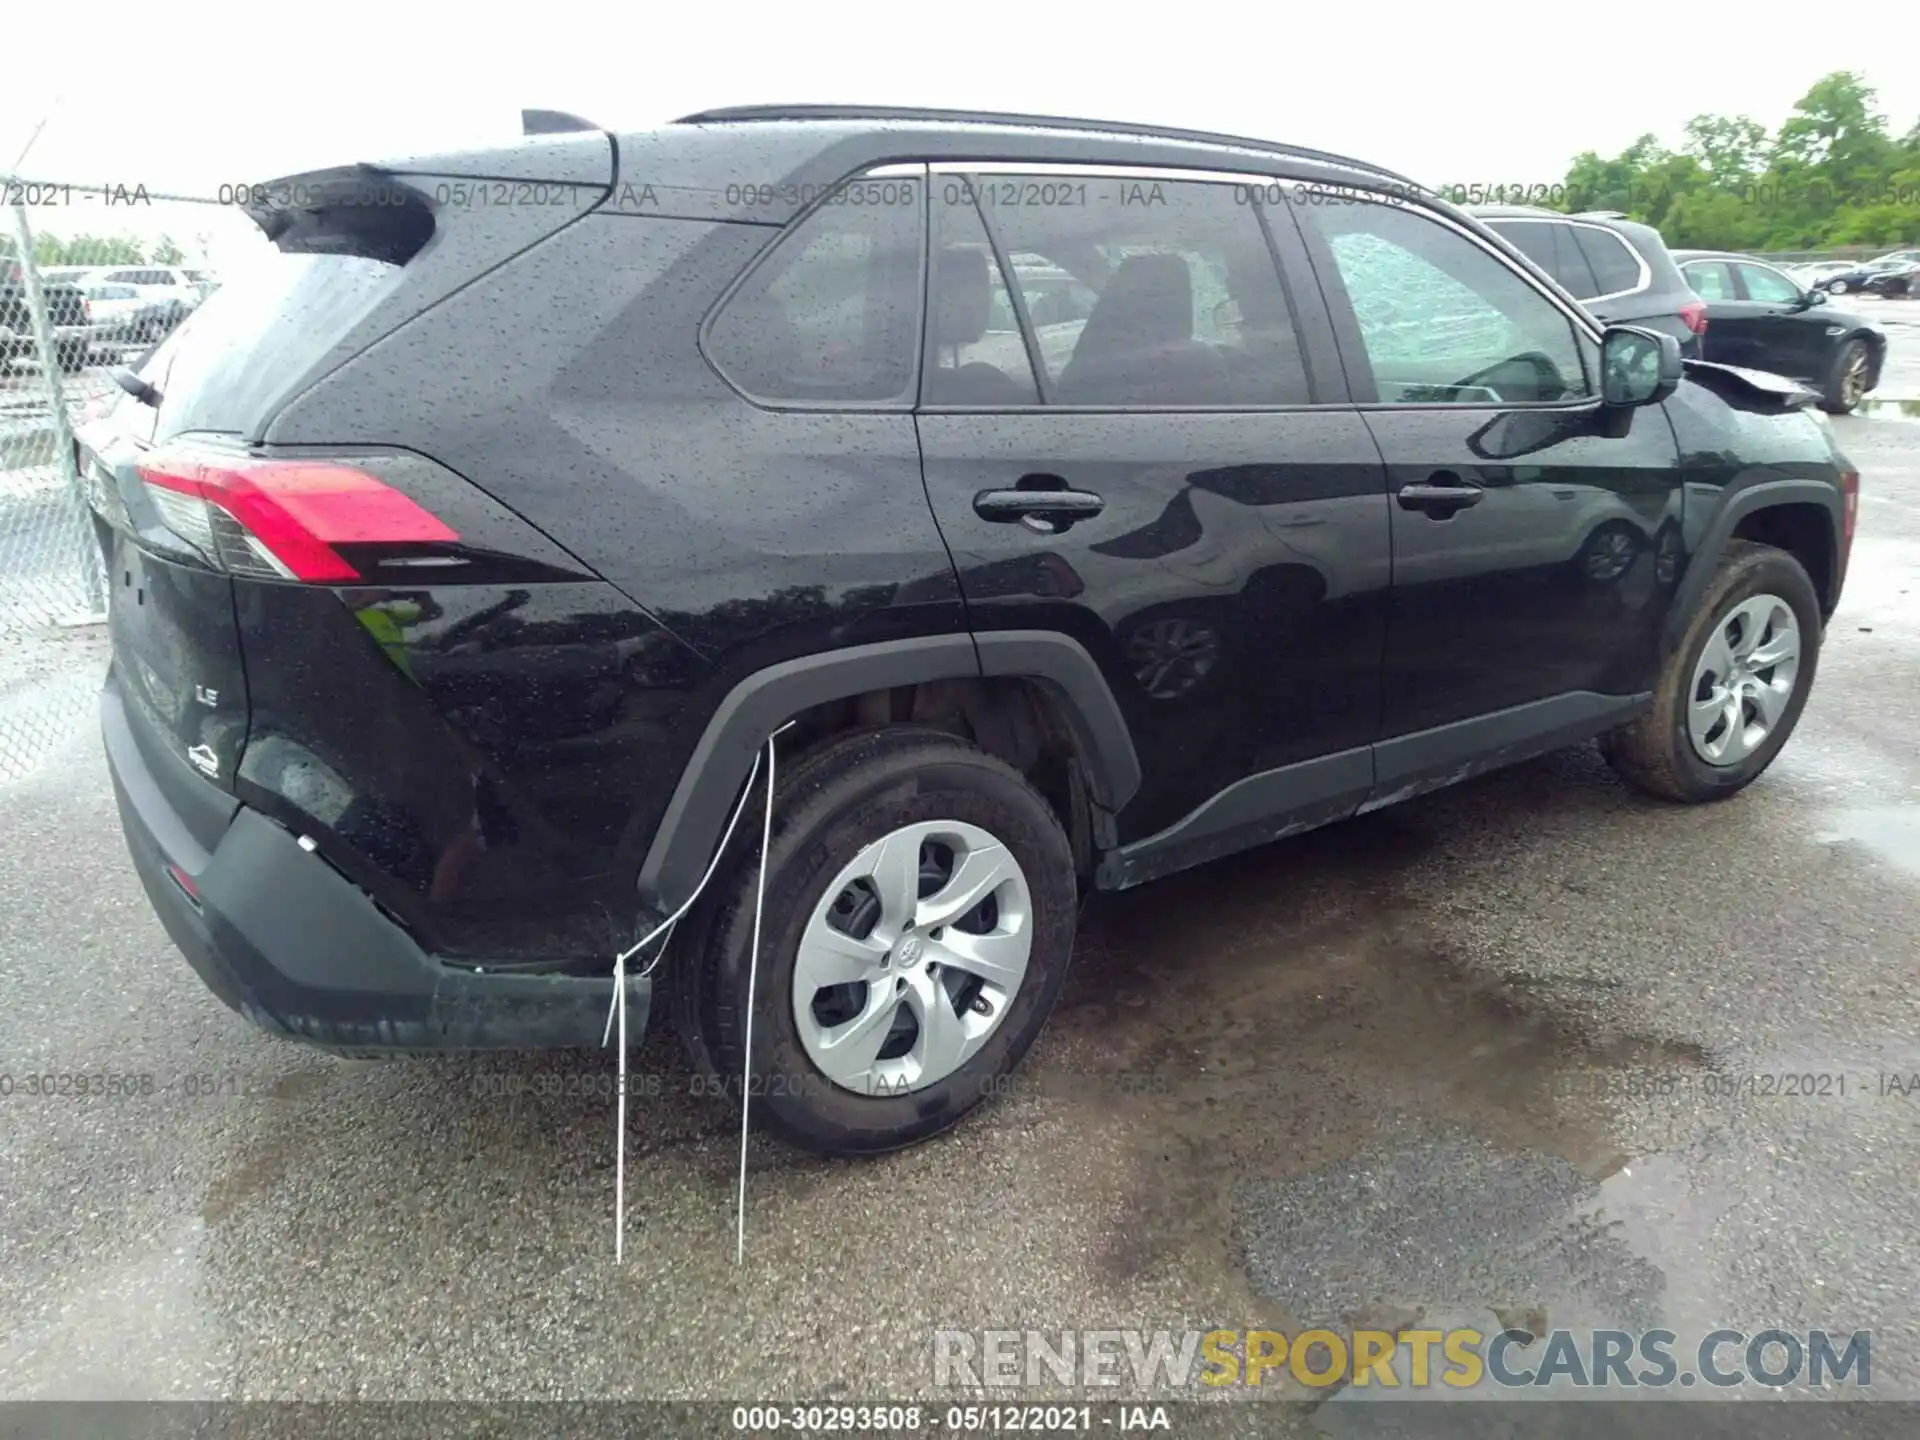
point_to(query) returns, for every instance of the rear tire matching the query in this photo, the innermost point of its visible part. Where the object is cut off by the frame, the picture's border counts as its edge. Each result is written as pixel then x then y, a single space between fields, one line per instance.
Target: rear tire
pixel 1658 752
pixel 831 815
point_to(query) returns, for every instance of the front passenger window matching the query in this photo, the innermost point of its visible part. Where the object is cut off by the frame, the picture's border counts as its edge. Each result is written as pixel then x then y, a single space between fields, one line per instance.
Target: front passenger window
pixel 1443 320
pixel 1769 287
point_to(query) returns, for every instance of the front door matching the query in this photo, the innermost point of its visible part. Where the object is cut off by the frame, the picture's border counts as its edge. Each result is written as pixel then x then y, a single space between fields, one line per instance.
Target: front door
pixel 1110 451
pixel 1536 536
pixel 1790 331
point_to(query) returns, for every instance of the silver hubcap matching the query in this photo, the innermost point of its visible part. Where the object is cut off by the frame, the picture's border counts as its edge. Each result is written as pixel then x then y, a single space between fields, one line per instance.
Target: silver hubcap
pixel 912 957
pixel 1744 680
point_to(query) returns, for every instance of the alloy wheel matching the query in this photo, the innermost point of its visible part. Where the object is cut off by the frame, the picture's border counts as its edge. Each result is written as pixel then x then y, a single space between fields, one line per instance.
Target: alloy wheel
pixel 1172 655
pixel 1853 379
pixel 1610 554
pixel 912 957
pixel 1744 680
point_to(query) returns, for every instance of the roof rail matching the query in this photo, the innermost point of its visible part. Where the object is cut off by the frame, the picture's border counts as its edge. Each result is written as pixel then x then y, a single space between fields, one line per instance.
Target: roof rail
pixel 737 113
pixel 1602 214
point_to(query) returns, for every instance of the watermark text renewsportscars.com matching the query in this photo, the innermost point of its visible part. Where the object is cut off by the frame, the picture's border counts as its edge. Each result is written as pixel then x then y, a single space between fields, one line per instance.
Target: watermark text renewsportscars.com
pixel 1150 1361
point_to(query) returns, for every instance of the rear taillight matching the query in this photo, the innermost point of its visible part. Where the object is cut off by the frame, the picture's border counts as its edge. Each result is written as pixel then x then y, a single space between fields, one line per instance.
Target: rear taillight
pixel 281 518
pixel 1694 316
pixel 1850 510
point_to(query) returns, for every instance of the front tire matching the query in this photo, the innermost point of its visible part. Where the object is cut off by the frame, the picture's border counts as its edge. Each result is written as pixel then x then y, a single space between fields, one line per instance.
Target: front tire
pixel 1846 383
pixel 1730 694
pixel 880 1019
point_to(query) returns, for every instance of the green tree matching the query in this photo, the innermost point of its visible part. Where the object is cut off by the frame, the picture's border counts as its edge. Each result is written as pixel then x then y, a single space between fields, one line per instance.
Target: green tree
pixel 87 250
pixel 166 252
pixel 1831 175
pixel 1731 149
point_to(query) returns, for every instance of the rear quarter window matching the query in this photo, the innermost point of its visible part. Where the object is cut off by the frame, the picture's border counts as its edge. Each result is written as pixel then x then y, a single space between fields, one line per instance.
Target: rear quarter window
pixel 831 315
pixel 1616 266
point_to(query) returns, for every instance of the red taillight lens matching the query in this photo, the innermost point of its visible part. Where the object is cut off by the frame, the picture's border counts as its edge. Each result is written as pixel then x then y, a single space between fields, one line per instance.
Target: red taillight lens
pixel 1694 316
pixel 1850 498
pixel 256 516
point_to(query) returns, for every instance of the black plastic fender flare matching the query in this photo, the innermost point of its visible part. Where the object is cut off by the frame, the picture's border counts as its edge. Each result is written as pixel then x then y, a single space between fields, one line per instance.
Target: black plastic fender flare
pixel 709 785
pixel 1737 506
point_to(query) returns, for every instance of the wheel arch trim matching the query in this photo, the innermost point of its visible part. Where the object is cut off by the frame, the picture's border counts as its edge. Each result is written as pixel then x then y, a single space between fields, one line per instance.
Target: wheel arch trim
pixel 1737 506
pixel 757 705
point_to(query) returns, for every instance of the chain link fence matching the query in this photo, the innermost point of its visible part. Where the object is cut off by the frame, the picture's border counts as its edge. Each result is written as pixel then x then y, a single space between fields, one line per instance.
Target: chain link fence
pixel 91 278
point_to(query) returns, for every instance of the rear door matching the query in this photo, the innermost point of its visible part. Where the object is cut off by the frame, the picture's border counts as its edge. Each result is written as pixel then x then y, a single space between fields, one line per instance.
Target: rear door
pixel 1552 245
pixel 1143 466
pixel 1535 543
pixel 1732 328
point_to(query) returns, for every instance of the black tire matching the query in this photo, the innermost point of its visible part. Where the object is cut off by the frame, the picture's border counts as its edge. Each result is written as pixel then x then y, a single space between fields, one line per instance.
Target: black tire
pixel 1835 396
pixel 835 802
pixel 1654 753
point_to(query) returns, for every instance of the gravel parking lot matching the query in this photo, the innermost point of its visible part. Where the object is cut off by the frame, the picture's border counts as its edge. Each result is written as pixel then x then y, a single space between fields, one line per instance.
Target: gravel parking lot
pixel 1391 1074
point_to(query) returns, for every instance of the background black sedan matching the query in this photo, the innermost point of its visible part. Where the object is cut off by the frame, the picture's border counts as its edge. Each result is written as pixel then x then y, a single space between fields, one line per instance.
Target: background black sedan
pixel 1881 277
pixel 1760 317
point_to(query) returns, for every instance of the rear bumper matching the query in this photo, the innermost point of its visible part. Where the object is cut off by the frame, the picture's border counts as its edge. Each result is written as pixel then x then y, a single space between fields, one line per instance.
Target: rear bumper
pixel 283 938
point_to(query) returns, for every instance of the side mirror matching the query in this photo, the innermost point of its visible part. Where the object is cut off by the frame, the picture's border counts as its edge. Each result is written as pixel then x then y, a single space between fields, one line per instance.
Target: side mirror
pixel 1814 297
pixel 1638 367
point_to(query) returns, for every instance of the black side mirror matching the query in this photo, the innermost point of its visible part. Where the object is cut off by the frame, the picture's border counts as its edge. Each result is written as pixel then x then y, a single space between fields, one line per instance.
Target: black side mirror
pixel 1638 367
pixel 1812 298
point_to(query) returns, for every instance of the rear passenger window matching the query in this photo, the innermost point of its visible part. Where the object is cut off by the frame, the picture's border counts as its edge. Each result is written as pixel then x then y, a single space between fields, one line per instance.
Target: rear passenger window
pixel 975 352
pixel 1710 280
pixel 832 314
pixel 1145 294
pixel 1616 268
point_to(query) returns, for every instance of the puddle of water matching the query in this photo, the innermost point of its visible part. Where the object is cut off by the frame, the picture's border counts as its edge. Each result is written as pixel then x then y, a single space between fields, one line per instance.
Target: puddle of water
pixel 1890 831
pixel 1873 407
pixel 1296 1017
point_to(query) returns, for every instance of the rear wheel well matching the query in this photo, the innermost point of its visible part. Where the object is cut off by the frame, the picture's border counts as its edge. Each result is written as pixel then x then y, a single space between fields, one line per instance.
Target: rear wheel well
pixel 1020 720
pixel 1804 531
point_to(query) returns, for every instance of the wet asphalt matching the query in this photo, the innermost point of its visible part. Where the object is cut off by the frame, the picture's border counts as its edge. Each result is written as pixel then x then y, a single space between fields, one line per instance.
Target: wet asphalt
pixel 1482 1055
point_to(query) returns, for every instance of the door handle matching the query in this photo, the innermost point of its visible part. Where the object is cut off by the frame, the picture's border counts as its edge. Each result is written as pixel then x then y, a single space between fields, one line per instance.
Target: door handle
pixel 1045 512
pixel 1439 497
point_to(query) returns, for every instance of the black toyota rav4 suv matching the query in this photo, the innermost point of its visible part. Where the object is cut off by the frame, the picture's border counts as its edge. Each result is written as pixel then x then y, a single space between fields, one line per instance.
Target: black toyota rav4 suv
pixel 1075 502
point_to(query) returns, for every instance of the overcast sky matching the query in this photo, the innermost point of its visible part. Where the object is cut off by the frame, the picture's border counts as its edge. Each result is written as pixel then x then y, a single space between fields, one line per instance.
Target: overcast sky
pixel 192 95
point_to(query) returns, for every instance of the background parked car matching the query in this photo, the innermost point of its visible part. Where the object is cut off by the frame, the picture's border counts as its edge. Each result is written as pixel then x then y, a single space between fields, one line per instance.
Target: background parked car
pixel 66 309
pixel 178 290
pixel 1618 269
pixel 1882 277
pixel 1815 273
pixel 120 315
pixel 1762 318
